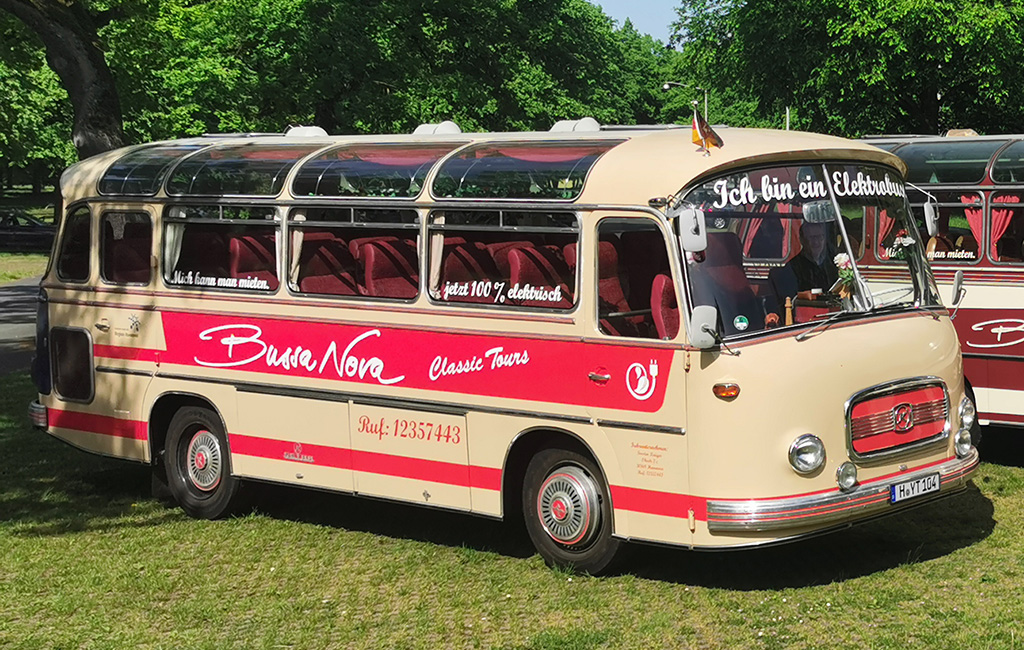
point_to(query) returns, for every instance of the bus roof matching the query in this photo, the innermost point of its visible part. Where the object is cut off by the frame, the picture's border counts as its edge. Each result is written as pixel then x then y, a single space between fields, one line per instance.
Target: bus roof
pixel 626 166
pixel 959 159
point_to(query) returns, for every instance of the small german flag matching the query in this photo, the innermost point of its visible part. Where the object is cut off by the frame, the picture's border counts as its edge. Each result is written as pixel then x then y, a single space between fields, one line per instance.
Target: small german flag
pixel 703 134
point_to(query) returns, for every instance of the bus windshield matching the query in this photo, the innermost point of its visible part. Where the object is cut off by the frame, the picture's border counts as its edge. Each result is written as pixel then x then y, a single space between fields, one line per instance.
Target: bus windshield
pixel 806 224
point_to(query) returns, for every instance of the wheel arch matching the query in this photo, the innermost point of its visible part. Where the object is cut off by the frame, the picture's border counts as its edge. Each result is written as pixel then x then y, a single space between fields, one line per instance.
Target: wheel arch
pixel 524 446
pixel 160 414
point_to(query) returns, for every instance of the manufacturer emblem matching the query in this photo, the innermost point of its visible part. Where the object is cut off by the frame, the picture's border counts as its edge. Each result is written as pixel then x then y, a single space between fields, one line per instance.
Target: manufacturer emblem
pixel 903 417
pixel 298 455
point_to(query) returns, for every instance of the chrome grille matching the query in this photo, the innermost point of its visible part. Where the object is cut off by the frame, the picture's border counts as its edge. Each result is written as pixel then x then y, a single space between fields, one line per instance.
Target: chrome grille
pixel 879 423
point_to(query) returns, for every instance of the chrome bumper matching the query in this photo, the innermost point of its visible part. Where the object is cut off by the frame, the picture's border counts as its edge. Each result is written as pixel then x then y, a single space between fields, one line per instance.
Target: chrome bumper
pixel 830 507
pixel 37 414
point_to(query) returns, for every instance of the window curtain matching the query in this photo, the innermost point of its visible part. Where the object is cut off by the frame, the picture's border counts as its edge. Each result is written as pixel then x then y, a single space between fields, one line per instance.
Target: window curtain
pixel 1001 218
pixel 885 224
pixel 173 234
pixel 295 254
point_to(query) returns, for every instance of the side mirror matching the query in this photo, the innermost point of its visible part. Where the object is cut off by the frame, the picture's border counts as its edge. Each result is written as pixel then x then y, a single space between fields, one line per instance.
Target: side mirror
pixel 693 233
pixel 931 217
pixel 958 287
pixel 703 324
pixel 819 212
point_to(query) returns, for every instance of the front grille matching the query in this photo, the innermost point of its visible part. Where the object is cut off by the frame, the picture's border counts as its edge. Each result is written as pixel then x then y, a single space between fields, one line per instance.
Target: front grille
pixel 884 419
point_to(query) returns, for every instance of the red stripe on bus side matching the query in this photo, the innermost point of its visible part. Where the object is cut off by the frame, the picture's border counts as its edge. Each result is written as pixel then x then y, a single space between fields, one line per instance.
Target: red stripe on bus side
pixel 92 423
pixel 121 352
pixel 435 471
pixel 653 502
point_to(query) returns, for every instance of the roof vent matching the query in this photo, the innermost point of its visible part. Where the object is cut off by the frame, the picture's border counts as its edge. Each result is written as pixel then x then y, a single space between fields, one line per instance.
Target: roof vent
pixel 437 129
pixel 585 124
pixel 961 133
pixel 305 131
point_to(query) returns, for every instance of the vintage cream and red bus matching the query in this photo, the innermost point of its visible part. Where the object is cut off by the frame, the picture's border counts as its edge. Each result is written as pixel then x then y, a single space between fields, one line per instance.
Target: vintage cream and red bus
pixel 977 185
pixel 555 325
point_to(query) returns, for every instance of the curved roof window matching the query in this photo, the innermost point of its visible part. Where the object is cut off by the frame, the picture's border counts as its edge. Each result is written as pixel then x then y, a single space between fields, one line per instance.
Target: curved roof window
pixel 951 161
pixel 370 170
pixel 520 170
pixel 141 172
pixel 1009 166
pixel 240 170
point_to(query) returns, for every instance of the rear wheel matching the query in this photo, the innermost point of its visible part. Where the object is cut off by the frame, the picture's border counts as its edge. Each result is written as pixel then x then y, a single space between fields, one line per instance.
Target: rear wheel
pixel 198 464
pixel 568 511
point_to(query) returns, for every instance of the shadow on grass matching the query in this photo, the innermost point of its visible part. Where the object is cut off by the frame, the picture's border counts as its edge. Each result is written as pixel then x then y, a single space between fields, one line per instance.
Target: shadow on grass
pixel 1002 445
pixel 924 533
pixel 391 519
pixel 47 488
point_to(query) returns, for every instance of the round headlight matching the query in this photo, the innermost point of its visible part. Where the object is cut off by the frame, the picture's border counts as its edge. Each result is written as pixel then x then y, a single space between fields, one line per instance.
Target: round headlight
pixel 807 453
pixel 846 476
pixel 962 442
pixel 968 414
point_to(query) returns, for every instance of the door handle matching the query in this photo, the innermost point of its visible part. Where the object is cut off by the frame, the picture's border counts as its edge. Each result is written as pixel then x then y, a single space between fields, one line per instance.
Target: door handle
pixel 103 325
pixel 599 377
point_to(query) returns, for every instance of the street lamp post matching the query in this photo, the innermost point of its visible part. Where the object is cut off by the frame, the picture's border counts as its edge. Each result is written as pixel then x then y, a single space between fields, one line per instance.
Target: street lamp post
pixel 669 84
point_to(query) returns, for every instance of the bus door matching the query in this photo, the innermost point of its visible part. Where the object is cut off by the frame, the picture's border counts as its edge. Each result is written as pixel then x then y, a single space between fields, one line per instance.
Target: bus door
pixel 636 377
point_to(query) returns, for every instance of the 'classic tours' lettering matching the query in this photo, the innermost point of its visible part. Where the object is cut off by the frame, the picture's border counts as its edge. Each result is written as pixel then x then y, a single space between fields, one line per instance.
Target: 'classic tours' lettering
pixel 492 359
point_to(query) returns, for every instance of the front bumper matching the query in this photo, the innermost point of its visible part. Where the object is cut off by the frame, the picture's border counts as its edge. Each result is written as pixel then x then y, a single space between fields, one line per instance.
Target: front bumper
pixel 814 510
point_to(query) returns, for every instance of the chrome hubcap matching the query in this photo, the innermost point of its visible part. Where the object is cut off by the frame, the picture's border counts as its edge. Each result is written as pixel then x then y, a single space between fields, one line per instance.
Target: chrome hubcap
pixel 568 506
pixel 204 460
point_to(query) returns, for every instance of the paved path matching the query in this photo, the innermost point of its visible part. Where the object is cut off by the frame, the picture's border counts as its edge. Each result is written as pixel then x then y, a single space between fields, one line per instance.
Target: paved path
pixel 17 324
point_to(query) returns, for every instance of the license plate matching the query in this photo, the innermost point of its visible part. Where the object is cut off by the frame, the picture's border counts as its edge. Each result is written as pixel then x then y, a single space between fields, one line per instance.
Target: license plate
pixel 915 488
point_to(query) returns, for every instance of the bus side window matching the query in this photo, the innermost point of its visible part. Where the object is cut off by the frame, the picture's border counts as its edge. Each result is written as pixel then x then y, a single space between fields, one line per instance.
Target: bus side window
pixel 126 244
pixel 73 261
pixel 221 247
pixel 1007 228
pixel 504 258
pixel 354 252
pixel 630 255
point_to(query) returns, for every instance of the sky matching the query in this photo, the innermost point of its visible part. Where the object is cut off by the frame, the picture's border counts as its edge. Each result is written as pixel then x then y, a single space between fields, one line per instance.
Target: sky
pixel 648 16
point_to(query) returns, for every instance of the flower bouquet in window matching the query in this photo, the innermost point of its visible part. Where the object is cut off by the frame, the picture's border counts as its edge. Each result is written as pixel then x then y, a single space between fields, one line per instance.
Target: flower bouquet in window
pixel 903 241
pixel 845 285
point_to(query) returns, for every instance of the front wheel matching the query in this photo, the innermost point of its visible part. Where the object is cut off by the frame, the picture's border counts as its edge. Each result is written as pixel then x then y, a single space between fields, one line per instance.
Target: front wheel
pixel 198 464
pixel 568 512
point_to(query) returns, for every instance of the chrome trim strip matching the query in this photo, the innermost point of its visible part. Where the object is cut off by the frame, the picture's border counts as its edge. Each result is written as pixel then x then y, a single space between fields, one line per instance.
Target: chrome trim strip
pixel 357 398
pixel 832 506
pixel 123 371
pixel 636 426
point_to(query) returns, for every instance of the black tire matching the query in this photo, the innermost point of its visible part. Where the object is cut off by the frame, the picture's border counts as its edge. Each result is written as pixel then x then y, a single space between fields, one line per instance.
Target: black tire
pixel 199 465
pixel 568 512
pixel 976 427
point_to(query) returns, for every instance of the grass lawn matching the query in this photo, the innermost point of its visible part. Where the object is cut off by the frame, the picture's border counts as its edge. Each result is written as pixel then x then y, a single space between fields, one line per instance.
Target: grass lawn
pixel 17 266
pixel 89 560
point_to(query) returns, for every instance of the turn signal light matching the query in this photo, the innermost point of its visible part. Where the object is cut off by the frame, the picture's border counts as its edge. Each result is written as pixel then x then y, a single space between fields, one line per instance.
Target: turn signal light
pixel 726 391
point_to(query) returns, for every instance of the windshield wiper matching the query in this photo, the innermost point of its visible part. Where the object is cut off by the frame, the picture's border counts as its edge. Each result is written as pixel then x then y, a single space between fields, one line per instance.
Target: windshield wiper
pixel 824 323
pixel 890 303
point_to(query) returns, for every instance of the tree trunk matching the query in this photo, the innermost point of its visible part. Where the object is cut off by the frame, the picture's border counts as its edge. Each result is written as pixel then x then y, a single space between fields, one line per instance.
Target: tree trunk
pixel 73 51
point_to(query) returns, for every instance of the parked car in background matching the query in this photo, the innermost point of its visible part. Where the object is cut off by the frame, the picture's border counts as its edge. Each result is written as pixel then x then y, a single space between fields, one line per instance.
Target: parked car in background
pixel 20 232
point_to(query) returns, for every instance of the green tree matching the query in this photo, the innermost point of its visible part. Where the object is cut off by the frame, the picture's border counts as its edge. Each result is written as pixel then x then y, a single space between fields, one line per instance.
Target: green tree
pixel 863 66
pixel 68 32
pixel 35 123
